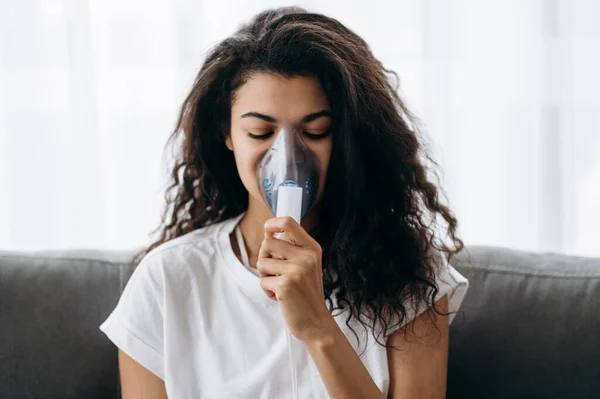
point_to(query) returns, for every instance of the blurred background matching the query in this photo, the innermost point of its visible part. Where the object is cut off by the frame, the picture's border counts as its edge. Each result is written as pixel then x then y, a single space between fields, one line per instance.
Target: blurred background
pixel 507 91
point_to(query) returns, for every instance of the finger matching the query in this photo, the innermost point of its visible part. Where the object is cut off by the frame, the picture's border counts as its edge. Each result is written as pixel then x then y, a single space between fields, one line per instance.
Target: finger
pixel 291 228
pixel 272 267
pixel 270 285
pixel 274 248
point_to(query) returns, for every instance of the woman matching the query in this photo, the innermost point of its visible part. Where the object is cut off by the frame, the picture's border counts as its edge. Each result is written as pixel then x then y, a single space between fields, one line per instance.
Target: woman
pixel 357 303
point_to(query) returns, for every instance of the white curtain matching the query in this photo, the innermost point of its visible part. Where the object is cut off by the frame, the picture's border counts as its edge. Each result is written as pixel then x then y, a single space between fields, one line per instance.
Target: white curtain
pixel 508 92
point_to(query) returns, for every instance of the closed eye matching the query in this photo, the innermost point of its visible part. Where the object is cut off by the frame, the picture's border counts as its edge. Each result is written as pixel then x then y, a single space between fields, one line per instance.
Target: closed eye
pixel 317 136
pixel 312 136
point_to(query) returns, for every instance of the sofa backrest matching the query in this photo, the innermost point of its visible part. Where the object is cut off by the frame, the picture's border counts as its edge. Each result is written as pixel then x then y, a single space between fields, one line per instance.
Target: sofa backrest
pixel 51 304
pixel 529 326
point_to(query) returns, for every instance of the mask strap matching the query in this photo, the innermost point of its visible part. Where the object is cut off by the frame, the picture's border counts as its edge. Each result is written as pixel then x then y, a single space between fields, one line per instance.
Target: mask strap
pixel 242 246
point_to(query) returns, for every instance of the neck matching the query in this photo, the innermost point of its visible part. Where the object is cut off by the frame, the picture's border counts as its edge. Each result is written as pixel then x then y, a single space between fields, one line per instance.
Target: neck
pixel 252 227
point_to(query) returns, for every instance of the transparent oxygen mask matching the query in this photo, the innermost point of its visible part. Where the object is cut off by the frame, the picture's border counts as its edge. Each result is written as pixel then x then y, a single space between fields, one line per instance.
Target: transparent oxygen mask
pixel 288 175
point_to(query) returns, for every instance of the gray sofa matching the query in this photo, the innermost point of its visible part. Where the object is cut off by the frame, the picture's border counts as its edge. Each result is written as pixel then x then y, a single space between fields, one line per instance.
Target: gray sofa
pixel 529 326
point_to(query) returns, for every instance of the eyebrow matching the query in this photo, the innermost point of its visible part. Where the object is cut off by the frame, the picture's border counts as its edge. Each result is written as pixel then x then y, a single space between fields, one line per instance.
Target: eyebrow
pixel 305 119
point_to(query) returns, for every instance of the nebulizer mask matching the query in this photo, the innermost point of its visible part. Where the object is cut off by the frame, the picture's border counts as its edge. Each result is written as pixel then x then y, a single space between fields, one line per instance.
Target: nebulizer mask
pixel 288 176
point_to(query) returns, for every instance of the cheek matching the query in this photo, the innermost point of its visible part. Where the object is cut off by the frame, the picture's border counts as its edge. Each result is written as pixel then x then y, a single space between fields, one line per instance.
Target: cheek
pixel 324 155
pixel 246 160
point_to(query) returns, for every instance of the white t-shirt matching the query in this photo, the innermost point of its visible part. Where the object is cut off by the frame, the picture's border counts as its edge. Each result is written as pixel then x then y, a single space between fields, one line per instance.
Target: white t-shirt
pixel 192 314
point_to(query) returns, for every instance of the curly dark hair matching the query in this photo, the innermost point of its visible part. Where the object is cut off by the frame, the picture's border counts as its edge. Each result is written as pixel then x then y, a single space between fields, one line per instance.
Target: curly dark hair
pixel 381 216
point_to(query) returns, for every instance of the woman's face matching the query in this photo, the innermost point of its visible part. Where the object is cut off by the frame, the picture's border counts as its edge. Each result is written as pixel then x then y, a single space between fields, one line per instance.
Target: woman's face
pixel 265 103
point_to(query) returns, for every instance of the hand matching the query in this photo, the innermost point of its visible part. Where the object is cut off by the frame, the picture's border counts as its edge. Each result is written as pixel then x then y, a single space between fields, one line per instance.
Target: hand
pixel 291 273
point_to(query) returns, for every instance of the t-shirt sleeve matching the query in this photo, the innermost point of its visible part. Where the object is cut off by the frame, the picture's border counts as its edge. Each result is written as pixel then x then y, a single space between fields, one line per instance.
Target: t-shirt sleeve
pixel 450 283
pixel 453 284
pixel 136 324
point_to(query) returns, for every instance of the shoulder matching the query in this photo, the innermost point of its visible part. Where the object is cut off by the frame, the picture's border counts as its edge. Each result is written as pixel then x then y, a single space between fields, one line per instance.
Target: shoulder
pixel 198 238
pixel 178 261
pixel 202 241
pixel 450 288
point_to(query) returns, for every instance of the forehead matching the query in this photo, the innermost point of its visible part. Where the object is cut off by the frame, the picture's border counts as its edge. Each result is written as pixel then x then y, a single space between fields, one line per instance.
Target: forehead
pixel 280 96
